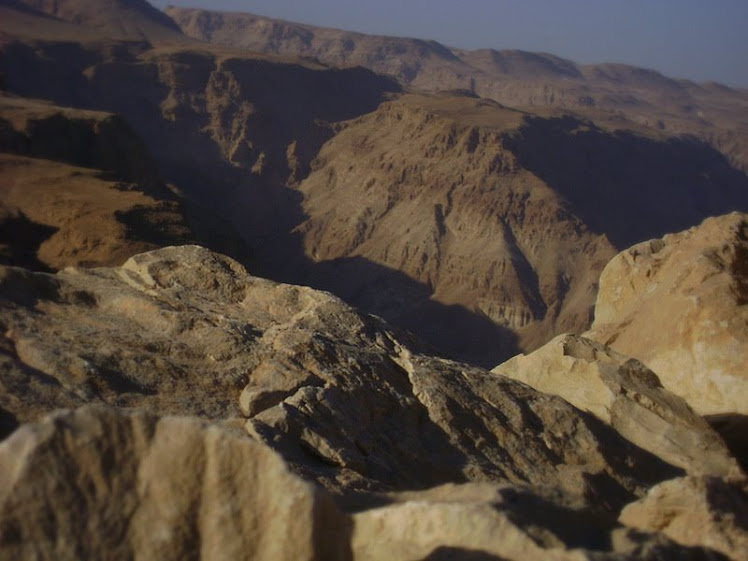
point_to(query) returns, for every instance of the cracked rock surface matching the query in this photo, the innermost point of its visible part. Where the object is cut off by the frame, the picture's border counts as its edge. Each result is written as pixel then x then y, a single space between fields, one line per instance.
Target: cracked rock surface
pixel 198 394
pixel 346 401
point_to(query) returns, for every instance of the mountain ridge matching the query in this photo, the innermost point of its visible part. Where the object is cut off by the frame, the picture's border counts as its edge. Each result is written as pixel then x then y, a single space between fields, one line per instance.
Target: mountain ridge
pixel 478 193
pixel 642 95
pixel 134 19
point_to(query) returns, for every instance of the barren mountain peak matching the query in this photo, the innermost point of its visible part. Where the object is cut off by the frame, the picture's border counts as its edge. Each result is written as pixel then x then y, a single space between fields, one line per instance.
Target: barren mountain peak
pixel 134 19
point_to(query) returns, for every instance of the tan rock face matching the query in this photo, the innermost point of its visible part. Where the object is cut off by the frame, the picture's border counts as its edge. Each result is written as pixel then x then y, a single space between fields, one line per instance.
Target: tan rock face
pixel 98 483
pixel 626 395
pixel 428 186
pixel 346 400
pixel 509 522
pixel 79 188
pixel 679 305
pixel 101 484
pixel 696 510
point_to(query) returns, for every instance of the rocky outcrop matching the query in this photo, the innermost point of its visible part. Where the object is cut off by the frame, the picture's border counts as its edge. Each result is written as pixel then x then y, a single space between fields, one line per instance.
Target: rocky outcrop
pixel 696 510
pixel 486 522
pixel 678 304
pixel 79 188
pixel 626 395
pixel 98 483
pixel 346 400
pixel 81 138
pixel 54 215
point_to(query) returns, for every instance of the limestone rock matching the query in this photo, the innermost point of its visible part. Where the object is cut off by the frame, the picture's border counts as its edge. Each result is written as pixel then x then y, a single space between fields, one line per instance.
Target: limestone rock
pixel 348 402
pixel 628 396
pixel 708 511
pixel 103 484
pixel 500 522
pixel 678 304
pixel 107 335
pixel 98 483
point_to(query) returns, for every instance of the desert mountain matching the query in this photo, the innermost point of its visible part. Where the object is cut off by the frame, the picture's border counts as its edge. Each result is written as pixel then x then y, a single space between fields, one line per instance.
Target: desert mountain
pixel 480 228
pixel 712 112
pixel 120 19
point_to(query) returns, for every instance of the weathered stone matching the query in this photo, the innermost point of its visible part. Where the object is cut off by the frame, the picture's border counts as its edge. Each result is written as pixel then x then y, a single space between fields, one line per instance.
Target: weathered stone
pixel 626 395
pixel 98 483
pixel 500 522
pixel 679 305
pixel 707 511
pixel 346 400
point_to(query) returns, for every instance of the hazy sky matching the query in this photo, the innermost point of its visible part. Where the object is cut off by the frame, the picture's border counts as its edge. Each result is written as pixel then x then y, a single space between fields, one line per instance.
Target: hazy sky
pixel 696 39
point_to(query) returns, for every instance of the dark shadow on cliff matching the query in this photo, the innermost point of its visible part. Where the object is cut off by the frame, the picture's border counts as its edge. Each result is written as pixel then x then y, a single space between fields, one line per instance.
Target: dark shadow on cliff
pixel 245 179
pixel 733 428
pixel 8 423
pixel 234 134
pixel 20 239
pixel 450 331
pixel 289 112
pixel 446 553
pixel 627 186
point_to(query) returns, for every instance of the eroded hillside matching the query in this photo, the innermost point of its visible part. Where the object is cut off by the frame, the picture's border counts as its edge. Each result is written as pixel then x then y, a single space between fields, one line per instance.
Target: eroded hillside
pixel 480 228
pixel 714 113
pixel 79 188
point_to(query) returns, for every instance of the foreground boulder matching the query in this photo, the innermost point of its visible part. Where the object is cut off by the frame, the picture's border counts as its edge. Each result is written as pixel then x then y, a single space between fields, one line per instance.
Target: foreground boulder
pixel 696 510
pixel 626 395
pixel 347 401
pixel 97 483
pixel 678 304
pixel 101 484
pixel 490 522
